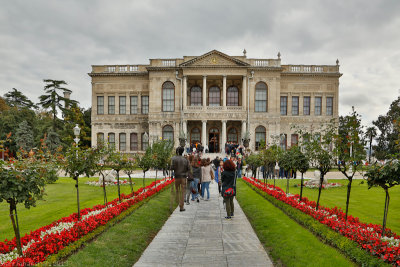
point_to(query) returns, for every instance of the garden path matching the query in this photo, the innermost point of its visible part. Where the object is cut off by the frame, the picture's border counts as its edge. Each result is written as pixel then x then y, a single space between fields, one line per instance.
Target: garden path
pixel 201 236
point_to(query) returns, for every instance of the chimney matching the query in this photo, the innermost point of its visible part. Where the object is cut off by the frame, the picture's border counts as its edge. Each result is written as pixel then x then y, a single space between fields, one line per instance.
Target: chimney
pixel 67 96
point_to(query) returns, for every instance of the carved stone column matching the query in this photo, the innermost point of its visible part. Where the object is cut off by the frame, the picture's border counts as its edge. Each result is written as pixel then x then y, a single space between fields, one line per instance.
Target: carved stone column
pixel 185 129
pixel 203 132
pixel 223 137
pixel 204 94
pixel 224 91
pixel 244 91
pixel 184 92
pixel 243 128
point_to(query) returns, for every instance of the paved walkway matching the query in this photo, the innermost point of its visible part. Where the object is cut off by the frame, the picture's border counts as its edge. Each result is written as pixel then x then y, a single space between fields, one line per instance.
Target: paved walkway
pixel 201 236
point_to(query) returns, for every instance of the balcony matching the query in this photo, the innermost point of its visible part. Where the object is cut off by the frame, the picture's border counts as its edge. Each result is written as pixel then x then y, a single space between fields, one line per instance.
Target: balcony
pixel 310 68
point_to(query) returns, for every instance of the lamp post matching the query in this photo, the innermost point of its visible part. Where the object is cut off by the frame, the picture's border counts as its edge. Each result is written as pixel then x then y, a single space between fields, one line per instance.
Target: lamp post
pixel 77 131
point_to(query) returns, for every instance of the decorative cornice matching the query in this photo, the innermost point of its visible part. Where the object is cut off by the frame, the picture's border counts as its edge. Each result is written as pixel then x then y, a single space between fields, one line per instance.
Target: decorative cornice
pixel 314 74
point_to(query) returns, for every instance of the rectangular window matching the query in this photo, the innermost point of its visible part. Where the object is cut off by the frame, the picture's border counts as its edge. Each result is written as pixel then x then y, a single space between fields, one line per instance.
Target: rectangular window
pixel 145 143
pixel 122 141
pixel 100 105
pixel 306 106
pixel 122 105
pixel 261 101
pixel 111 105
pixel 329 106
pixel 283 105
pixel 295 105
pixel 134 104
pixel 111 139
pixel 134 142
pixel 100 138
pixel 294 139
pixel 318 105
pixel 123 68
pixel 145 104
pixel 283 141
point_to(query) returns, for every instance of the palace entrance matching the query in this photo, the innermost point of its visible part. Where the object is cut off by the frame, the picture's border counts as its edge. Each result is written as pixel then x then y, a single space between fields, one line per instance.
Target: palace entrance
pixel 213 140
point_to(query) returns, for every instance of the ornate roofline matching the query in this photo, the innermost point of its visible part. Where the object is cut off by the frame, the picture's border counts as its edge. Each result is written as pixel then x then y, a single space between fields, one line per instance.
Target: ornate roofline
pixel 142 73
pixel 237 61
pixel 314 74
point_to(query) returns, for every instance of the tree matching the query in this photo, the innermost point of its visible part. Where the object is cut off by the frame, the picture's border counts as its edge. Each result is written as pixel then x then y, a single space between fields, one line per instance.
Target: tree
pixel 116 161
pixel 130 167
pixel 102 151
pixel 53 100
pixel 303 166
pixel 254 161
pixel 24 136
pixel 3 105
pixel 349 149
pixel 388 133
pixel 161 154
pixel 23 181
pixel 17 99
pixel 145 162
pixel 317 146
pixel 79 161
pixel 385 176
pixel 370 133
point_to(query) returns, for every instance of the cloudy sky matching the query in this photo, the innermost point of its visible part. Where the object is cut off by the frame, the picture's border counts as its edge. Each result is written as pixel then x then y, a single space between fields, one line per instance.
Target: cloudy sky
pixel 62 39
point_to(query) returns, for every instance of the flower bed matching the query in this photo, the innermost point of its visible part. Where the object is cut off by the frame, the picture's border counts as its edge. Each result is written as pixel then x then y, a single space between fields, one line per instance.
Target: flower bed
pixel 50 239
pixel 100 184
pixel 368 236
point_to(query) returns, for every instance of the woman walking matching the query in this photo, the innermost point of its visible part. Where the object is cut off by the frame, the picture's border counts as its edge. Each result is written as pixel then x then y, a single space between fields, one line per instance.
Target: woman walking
pixel 228 187
pixel 218 172
pixel 207 175
pixel 196 170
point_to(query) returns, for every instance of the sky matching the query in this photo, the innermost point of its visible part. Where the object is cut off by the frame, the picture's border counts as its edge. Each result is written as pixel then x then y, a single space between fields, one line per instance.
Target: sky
pixel 60 40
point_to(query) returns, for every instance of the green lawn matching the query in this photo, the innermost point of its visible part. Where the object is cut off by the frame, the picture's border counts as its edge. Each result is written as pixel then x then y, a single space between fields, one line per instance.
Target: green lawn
pixel 365 204
pixel 124 243
pixel 59 201
pixel 288 243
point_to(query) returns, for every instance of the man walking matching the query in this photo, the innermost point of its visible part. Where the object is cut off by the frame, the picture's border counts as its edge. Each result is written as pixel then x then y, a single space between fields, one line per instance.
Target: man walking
pixel 180 166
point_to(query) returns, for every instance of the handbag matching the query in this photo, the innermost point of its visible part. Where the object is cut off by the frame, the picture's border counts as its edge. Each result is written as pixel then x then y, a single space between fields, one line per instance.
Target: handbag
pixel 230 192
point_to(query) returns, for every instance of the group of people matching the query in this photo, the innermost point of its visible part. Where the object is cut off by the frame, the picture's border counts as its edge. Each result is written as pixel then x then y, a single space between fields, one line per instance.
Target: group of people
pixel 193 176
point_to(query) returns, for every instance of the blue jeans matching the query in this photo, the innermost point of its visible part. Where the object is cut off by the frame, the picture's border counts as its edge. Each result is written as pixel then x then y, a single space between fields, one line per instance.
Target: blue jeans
pixel 239 173
pixel 205 186
pixel 194 184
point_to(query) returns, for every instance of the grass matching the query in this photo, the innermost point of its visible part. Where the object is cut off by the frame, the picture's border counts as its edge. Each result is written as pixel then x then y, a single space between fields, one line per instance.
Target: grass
pixel 123 244
pixel 288 243
pixel 366 204
pixel 59 201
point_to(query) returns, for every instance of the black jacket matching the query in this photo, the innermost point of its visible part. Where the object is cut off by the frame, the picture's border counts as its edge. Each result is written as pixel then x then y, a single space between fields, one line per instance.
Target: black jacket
pixel 180 165
pixel 228 181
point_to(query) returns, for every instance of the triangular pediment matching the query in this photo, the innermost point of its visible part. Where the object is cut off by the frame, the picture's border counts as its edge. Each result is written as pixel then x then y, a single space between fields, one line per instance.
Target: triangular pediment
pixel 214 58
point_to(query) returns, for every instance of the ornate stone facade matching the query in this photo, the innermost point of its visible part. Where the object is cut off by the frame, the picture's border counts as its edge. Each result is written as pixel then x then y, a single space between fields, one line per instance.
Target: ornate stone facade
pixel 213 98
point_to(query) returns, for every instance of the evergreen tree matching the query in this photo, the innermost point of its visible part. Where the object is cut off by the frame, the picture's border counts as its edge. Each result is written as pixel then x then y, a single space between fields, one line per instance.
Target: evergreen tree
pixel 17 99
pixel 54 100
pixel 370 134
pixel 24 136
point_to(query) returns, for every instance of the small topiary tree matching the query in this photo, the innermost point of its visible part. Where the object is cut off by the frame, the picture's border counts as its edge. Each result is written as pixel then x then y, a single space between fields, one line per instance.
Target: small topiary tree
pixel 102 151
pixel 130 167
pixel 385 176
pixel 303 165
pixel 145 162
pixel 116 161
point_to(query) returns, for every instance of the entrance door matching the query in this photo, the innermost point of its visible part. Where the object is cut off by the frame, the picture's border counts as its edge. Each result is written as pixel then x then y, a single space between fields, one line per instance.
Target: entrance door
pixel 213 140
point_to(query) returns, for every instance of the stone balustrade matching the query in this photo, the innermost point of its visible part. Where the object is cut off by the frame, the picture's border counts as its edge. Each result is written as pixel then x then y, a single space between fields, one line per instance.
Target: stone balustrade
pixel 311 68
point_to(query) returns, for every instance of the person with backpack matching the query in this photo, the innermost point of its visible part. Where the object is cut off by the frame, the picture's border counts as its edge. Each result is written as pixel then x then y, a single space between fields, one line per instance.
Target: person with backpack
pixel 189 180
pixel 196 170
pixel 228 179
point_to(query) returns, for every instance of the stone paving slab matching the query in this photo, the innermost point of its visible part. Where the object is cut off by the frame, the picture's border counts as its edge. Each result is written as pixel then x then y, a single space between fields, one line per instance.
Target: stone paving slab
pixel 201 236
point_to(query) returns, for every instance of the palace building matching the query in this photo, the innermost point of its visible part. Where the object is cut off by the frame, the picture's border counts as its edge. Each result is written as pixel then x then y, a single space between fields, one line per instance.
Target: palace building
pixel 213 98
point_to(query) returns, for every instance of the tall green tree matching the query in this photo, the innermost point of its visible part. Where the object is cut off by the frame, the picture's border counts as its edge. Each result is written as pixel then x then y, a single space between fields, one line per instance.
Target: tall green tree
pixel 3 105
pixel 388 133
pixel 17 99
pixel 24 136
pixel 349 149
pixel 370 134
pixel 75 115
pixel 54 100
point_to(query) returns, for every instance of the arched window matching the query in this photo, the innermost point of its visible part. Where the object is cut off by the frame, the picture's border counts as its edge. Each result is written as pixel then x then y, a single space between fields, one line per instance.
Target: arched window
pixel 111 139
pixel 134 142
pixel 232 135
pixel 214 96
pixel 195 96
pixel 168 133
pixel 261 97
pixel 195 135
pixel 168 91
pixel 100 138
pixel 122 141
pixel 232 96
pixel 260 136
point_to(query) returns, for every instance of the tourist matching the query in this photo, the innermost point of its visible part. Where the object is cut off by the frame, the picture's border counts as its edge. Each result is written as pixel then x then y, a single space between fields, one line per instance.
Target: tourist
pixel 189 180
pixel 239 166
pixel 196 170
pixel 207 175
pixel 220 169
pixel 180 166
pixel 228 184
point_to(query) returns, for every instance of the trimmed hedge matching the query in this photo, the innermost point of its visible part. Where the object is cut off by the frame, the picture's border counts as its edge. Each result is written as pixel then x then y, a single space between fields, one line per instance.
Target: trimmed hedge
pixel 324 233
pixel 58 258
